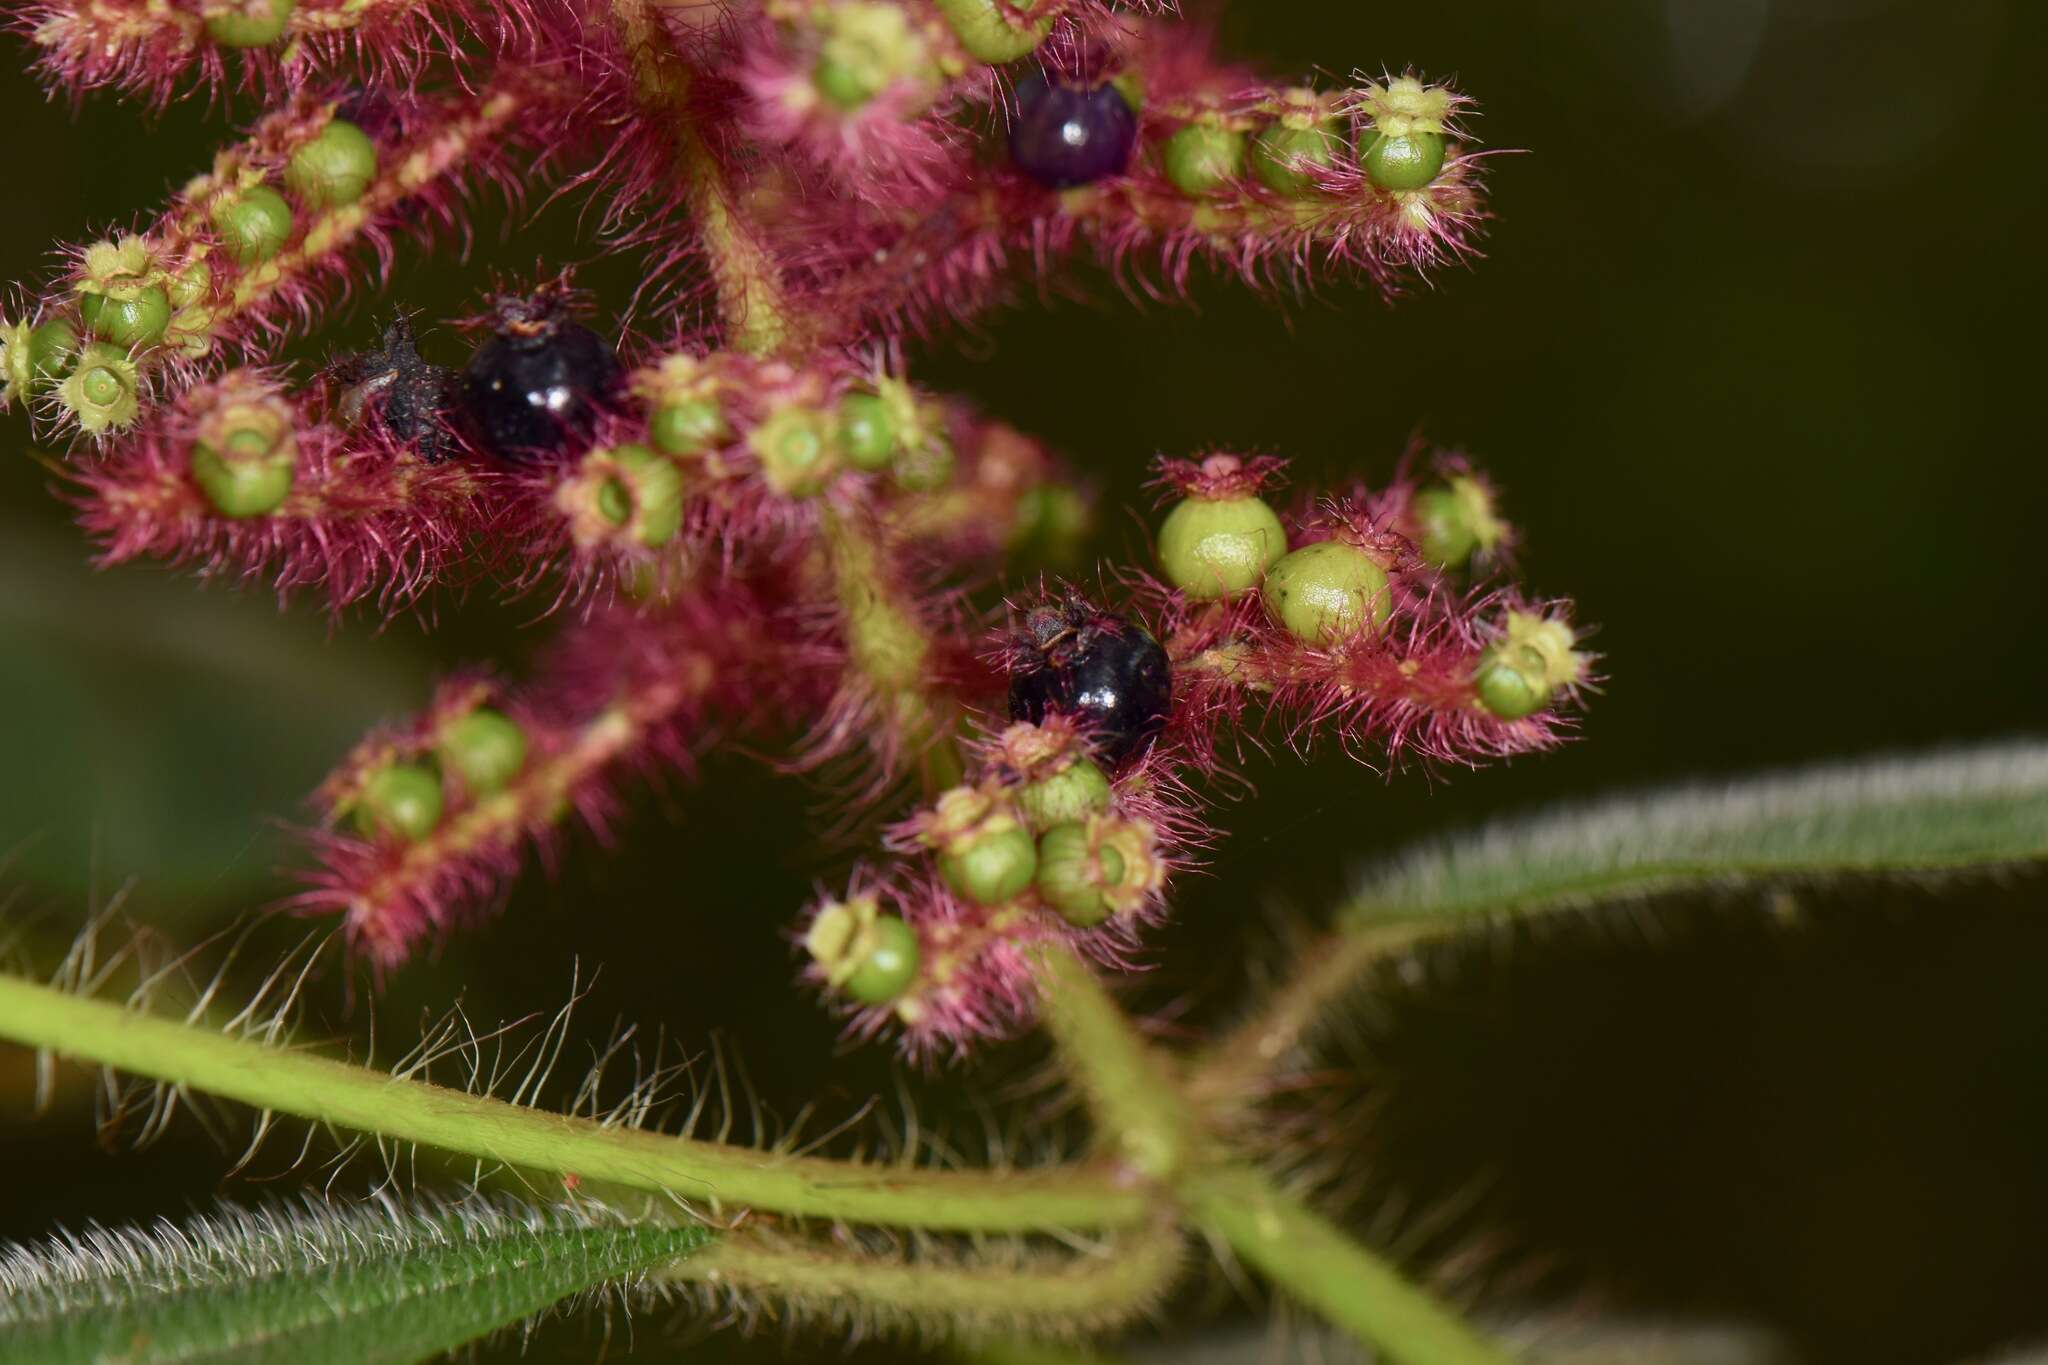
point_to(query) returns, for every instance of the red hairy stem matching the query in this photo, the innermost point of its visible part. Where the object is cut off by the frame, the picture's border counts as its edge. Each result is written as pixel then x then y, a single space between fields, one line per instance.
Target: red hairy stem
pixel 647 689
pixel 213 301
pixel 154 49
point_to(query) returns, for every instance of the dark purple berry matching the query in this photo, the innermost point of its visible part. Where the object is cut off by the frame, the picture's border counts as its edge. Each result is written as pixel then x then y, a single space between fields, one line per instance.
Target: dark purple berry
pixel 1064 134
pixel 537 386
pixel 1107 673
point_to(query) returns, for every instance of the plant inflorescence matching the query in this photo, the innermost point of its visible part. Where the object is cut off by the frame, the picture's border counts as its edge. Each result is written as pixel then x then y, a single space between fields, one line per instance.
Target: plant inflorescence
pixel 754 525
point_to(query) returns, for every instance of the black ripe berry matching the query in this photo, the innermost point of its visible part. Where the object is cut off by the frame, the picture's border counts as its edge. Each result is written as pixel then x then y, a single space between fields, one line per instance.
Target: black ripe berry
pixel 537 385
pixel 1066 133
pixel 1107 673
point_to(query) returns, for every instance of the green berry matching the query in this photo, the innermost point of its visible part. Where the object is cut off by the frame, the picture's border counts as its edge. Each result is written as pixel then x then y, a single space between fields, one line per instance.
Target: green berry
pixel 1074 792
pixel 1327 592
pixel 796 451
pixel 30 357
pixel 103 389
pixel 1512 682
pixel 686 427
pixel 1051 520
pixel 1281 156
pixel 926 466
pixel 1213 548
pixel 887 962
pixel 1408 162
pixel 129 315
pixel 333 167
pixel 249 474
pixel 1203 158
pixel 249 23
pixel 254 224
pixel 1444 533
pixel 486 749
pixel 867 430
pixel 401 800
pixel 50 348
pixel 643 494
pixel 991 866
pixel 988 33
pixel 1072 875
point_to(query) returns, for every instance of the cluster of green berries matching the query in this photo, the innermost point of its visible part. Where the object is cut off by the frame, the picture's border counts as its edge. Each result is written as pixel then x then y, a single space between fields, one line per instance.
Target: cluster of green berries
pixel 801 444
pixel 1401 144
pixel 129 299
pixel 1222 539
pixel 402 799
pixel 1054 834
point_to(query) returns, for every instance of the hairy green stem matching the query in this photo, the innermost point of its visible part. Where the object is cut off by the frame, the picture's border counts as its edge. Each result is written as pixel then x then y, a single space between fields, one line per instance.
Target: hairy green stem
pixel 888 647
pixel 1131 1092
pixel 1932 816
pixel 1312 1259
pixel 757 314
pixel 364 1100
pixel 1128 1088
pixel 1236 1070
pixel 985 1294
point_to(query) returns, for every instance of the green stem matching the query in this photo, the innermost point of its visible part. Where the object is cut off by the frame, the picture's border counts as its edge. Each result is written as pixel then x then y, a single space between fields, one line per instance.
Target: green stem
pixel 976 1296
pixel 1132 1093
pixel 1312 1259
pixel 756 313
pixel 364 1100
pixel 1236 1071
pixel 1125 1082
pixel 888 646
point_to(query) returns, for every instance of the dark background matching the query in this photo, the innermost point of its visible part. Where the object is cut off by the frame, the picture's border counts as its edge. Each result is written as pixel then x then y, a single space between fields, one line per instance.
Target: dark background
pixel 1755 353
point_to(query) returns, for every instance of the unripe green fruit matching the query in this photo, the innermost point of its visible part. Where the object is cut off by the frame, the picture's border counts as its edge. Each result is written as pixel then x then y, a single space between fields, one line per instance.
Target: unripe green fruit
pixel 333 167
pixel 987 35
pixel 50 349
pixel 254 225
pixel 401 800
pixel 486 749
pixel 1203 157
pixel 925 467
pixel 1446 534
pixel 687 427
pixel 1327 592
pixel 249 474
pixel 797 452
pixel 103 389
pixel 1213 548
pixel 1408 162
pixel 250 23
pixel 1281 156
pixel 843 86
pixel 887 964
pixel 991 867
pixel 132 317
pixel 867 430
pixel 1071 876
pixel 1074 792
pixel 1512 681
pixel 644 494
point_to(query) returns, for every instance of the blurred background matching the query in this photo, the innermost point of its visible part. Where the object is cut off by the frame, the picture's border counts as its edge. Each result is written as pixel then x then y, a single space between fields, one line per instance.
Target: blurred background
pixel 1755 354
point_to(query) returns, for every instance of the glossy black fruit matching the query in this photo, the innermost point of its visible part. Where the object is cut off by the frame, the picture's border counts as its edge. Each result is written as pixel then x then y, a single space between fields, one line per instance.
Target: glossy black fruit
pixel 1100 670
pixel 1064 134
pixel 535 388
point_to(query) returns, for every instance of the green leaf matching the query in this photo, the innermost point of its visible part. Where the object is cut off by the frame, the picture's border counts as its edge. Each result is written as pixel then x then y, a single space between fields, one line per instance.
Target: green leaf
pixel 315 1284
pixel 1944 813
